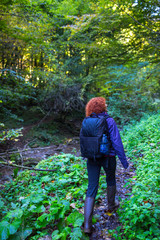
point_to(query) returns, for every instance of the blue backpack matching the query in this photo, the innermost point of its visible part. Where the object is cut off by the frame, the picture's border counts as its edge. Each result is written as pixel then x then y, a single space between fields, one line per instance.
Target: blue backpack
pixel 94 136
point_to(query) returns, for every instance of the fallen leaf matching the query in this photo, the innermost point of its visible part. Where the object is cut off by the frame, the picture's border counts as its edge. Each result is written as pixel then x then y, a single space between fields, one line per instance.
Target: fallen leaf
pixel 109 214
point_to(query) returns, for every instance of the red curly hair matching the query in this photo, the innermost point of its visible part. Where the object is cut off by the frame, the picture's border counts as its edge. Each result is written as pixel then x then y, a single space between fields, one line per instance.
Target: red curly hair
pixel 96 105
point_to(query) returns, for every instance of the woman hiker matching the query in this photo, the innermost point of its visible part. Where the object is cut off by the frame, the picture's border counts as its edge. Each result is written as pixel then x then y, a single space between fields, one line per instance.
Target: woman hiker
pixel 98 106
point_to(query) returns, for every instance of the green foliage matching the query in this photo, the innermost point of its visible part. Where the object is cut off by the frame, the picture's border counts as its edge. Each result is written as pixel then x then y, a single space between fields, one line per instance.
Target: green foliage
pixel 44 135
pixel 11 134
pixel 140 212
pixel 47 133
pixel 131 90
pixel 15 94
pixel 38 201
pixel 64 52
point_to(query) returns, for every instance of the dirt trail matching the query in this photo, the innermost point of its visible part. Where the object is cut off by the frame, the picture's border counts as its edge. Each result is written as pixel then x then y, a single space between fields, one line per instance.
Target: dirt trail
pixel 106 222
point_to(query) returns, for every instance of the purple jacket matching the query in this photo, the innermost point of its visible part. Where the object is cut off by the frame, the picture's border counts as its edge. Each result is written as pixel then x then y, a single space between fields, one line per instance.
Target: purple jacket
pixel 117 145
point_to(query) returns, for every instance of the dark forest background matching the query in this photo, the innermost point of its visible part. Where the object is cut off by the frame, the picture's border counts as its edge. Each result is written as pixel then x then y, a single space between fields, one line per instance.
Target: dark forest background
pixel 56 55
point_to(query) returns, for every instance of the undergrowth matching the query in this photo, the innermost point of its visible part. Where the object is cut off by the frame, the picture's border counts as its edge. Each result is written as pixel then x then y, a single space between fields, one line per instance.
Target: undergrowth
pixel 140 213
pixel 45 135
pixel 37 204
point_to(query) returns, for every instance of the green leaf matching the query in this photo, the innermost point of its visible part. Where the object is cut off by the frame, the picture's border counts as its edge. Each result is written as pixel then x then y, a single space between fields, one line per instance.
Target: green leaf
pixel 40 209
pixel 56 235
pixel 4 232
pixel 42 217
pixel 14 226
pixel 13 205
pixel 76 219
pixel 76 234
pixel 46 179
pixel 1 204
pixel 32 208
pixel 67 230
pixel 37 199
pixel 26 233
pixel 17 213
pixel 23 234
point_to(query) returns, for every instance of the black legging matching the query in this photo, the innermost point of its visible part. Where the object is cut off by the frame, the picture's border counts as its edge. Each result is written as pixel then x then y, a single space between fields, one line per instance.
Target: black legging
pixel 94 167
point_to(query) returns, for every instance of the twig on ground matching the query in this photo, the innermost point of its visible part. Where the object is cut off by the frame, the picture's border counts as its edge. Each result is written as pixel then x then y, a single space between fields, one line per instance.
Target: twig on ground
pixel 29 168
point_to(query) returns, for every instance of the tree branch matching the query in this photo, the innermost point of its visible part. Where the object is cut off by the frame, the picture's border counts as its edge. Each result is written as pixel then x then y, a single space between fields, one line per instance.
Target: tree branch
pixel 29 168
pixel 134 18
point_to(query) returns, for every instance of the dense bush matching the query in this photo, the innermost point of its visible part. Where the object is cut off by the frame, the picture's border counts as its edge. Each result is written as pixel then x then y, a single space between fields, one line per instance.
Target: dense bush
pixel 15 94
pixel 62 99
pixel 133 91
pixel 140 212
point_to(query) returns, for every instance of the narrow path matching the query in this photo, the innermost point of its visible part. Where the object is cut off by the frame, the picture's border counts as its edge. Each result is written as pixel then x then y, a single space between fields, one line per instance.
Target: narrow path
pixel 106 222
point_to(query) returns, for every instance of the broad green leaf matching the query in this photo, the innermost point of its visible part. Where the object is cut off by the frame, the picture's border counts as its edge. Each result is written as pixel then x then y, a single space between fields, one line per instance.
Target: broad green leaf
pixel 37 199
pixel 23 234
pixel 17 213
pixel 76 234
pixel 32 208
pixel 56 235
pixel 46 179
pixel 27 232
pixel 4 232
pixel 76 219
pixel 42 217
pixel 14 227
pixel 40 209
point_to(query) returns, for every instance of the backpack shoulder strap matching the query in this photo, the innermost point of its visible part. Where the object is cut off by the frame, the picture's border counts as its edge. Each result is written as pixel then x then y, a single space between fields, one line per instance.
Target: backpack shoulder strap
pixel 107 130
pixel 107 116
pixel 94 115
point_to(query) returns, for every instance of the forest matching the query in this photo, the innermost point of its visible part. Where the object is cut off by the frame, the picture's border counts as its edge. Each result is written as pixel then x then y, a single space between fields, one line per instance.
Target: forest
pixel 54 57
